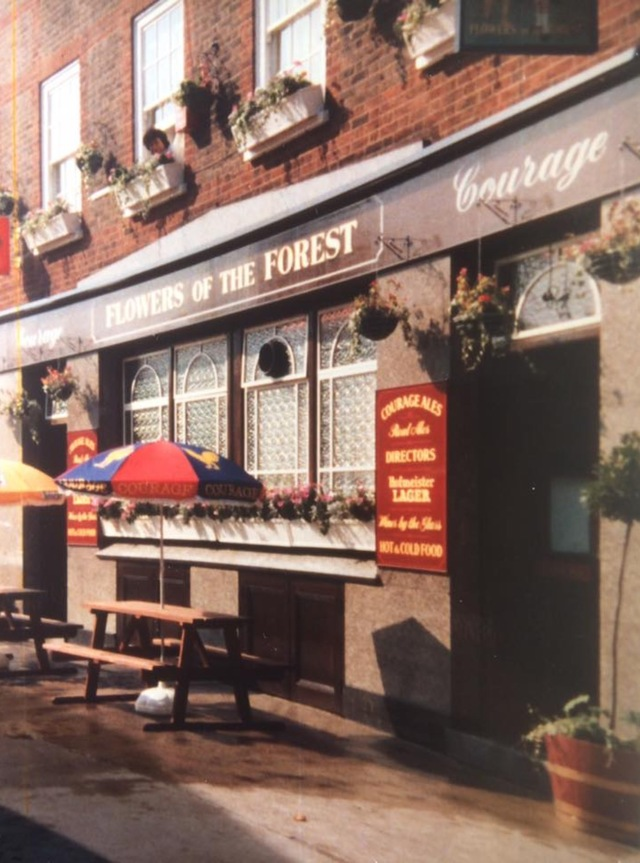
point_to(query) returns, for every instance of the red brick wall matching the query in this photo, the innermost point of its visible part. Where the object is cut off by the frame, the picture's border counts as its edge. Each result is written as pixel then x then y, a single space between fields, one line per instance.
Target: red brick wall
pixel 378 100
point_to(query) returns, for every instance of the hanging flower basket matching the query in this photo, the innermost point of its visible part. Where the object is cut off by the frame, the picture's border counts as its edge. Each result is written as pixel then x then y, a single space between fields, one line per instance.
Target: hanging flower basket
pixel 377 324
pixel 352 10
pixel 59 385
pixel 482 318
pixel 614 254
pixel 7 203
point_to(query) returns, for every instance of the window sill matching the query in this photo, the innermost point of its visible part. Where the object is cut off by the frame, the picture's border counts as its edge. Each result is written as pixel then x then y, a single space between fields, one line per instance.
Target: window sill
pixel 144 193
pixel 342 536
pixel 434 38
pixel 63 229
pixel 297 114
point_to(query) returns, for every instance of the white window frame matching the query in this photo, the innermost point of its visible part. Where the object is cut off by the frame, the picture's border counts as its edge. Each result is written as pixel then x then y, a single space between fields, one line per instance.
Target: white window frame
pixel 142 120
pixel 53 184
pixel 265 69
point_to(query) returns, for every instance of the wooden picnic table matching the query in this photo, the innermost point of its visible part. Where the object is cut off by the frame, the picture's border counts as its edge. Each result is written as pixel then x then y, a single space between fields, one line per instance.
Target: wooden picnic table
pixel 28 624
pixel 195 661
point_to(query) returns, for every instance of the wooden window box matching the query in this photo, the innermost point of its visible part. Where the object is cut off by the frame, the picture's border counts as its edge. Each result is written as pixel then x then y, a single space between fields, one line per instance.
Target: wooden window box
pixel 144 193
pixel 435 38
pixel 61 230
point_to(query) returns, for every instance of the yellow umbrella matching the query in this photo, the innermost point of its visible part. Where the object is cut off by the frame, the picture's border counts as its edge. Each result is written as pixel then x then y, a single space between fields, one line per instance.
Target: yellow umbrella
pixel 25 485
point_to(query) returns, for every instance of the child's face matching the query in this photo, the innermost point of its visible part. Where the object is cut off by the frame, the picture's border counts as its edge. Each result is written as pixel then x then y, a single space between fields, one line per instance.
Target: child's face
pixel 157 147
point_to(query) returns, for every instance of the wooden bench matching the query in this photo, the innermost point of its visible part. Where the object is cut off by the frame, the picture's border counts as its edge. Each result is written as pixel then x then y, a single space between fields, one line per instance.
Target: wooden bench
pixel 106 657
pixel 258 667
pixel 49 628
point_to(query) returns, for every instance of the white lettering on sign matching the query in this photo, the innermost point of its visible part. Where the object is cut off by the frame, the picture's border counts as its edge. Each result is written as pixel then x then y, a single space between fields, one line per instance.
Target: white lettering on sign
pixel 560 167
pixel 145 305
pixel 310 251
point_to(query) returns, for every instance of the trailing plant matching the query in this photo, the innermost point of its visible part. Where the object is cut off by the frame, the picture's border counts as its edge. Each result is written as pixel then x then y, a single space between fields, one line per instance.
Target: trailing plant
pixel 307 503
pixel 20 408
pixel 191 94
pixel 382 305
pixel 59 384
pixel 249 114
pixel 615 251
pixel 482 317
pixel 89 160
pixel 120 177
pixel 7 202
pixel 36 220
pixel 413 15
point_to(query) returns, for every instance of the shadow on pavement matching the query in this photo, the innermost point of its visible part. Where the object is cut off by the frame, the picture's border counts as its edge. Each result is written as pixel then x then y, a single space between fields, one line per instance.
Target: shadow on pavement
pixel 24 841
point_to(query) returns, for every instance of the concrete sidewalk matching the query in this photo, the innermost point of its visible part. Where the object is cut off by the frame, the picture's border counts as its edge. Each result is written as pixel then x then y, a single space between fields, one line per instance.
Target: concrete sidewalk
pixel 85 783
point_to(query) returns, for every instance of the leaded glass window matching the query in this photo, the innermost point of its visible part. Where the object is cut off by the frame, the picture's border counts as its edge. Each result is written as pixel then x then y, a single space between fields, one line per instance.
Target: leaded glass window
pixel 277 408
pixel 146 397
pixel 201 401
pixel 346 411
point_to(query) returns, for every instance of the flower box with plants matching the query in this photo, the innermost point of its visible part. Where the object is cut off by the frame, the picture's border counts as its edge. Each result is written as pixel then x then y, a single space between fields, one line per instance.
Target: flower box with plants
pixel 376 315
pixel 428 29
pixel 51 228
pixel 594 766
pixel 302 517
pixel 287 107
pixel 614 253
pixel 482 318
pixel 146 185
pixel 7 202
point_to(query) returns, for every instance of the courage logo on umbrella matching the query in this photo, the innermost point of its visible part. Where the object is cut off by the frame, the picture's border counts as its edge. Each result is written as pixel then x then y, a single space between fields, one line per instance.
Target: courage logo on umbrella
pixel 163 470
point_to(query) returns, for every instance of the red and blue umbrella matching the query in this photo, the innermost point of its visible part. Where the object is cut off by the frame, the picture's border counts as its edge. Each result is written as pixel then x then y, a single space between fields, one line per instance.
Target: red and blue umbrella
pixel 163 471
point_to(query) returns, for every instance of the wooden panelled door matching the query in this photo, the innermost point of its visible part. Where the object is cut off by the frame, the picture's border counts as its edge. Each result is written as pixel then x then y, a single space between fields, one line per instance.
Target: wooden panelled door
pixel 538 560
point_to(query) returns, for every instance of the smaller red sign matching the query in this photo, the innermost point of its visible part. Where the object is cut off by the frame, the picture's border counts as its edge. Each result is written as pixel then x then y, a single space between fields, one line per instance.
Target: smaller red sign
pixel 82 519
pixel 411 478
pixel 5 245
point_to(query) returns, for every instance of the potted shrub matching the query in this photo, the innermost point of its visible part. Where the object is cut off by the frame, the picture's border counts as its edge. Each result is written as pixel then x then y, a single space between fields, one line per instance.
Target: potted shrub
pixel 50 228
pixel 7 202
pixel 614 253
pixel 595 770
pixel 194 101
pixel 59 385
pixel 427 27
pixel 375 316
pixel 482 317
pixel 278 112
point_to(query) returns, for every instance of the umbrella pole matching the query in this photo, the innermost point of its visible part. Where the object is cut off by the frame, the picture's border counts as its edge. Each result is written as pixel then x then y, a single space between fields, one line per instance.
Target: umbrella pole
pixel 161 577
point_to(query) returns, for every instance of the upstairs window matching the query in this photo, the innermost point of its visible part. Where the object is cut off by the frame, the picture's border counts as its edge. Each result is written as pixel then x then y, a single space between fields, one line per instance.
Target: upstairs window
pixel 290 33
pixel 159 67
pixel 61 137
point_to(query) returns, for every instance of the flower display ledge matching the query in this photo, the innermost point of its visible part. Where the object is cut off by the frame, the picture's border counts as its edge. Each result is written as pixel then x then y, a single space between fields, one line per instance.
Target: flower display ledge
pixel 296 114
pixel 344 535
pixel 143 193
pixel 435 38
pixel 61 230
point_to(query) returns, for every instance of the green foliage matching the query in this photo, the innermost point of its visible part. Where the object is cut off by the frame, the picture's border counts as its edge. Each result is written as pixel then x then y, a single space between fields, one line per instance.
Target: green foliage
pixel 249 115
pixel 615 491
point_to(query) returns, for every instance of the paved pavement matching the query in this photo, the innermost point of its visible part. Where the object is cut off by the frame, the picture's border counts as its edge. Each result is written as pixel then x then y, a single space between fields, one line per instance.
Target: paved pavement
pixel 85 783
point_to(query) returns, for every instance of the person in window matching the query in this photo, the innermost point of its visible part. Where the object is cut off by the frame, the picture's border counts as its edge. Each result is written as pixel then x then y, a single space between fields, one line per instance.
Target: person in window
pixel 157 143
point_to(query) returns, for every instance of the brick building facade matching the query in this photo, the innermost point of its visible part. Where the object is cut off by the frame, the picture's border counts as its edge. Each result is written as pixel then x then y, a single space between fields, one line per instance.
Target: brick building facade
pixel 410 171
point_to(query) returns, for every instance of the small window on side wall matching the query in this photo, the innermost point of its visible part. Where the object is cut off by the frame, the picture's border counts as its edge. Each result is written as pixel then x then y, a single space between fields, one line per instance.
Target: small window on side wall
pixel 61 137
pixel 159 68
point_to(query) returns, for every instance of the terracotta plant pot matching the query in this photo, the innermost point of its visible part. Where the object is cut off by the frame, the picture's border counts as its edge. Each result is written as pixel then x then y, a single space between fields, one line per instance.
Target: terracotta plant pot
pixel 595 789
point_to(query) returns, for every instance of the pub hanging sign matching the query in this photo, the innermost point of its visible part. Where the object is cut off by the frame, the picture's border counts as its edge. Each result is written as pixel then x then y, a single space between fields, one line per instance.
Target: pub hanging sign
pixel 411 478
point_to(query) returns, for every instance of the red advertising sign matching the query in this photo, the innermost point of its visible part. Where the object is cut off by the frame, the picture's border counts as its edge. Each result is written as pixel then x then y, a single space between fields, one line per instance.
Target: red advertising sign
pixel 411 478
pixel 82 519
pixel 5 245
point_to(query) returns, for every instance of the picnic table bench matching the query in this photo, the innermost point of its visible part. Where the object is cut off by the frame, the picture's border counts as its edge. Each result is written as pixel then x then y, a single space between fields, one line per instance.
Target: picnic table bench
pixel 195 661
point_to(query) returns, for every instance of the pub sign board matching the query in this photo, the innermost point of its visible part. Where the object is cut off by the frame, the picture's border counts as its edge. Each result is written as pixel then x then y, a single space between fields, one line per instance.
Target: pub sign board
pixel 82 518
pixel 528 26
pixel 411 477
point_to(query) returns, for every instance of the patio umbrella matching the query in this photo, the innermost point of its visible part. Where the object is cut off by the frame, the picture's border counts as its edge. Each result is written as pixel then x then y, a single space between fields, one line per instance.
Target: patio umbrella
pixel 162 472
pixel 27 486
